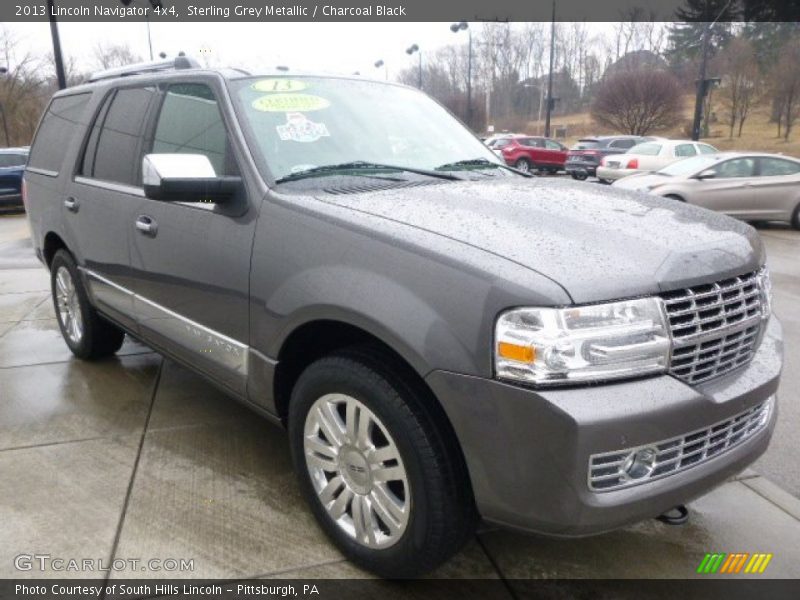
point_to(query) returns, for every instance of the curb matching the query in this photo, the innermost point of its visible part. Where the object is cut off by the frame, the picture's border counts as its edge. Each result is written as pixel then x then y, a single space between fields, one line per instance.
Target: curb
pixel 774 494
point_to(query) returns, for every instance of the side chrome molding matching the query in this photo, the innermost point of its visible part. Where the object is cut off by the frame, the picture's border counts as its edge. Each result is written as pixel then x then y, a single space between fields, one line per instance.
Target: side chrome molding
pixel 223 351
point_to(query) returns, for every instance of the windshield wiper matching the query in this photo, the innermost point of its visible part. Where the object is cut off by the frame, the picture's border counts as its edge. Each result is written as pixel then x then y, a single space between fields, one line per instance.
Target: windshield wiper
pixel 477 163
pixel 360 165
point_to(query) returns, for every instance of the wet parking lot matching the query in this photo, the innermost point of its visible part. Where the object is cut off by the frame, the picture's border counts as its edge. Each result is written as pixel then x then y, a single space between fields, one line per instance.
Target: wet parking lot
pixel 137 458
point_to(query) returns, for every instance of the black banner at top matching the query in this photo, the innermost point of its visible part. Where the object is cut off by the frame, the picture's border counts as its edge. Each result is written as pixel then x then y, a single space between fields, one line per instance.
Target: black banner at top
pixel 399 10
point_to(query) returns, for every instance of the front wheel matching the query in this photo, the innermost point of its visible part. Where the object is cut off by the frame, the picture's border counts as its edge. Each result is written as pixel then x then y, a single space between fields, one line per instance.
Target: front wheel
pixel 86 333
pixel 524 165
pixel 383 479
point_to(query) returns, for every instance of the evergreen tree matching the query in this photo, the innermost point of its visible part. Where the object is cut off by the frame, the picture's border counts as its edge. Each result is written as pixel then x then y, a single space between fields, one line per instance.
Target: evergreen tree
pixel 686 36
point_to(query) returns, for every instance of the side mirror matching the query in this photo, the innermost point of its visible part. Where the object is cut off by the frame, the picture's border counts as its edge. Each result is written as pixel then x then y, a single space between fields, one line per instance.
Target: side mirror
pixel 186 178
pixel 707 174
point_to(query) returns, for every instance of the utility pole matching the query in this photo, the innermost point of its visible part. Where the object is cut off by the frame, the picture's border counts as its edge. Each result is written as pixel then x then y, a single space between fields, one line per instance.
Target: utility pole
pixel 58 59
pixel 550 101
pixel 702 81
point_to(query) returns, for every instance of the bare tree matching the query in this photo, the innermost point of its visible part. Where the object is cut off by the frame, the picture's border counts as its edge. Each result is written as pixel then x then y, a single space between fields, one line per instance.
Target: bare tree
pixel 109 56
pixel 785 78
pixel 638 102
pixel 22 91
pixel 740 82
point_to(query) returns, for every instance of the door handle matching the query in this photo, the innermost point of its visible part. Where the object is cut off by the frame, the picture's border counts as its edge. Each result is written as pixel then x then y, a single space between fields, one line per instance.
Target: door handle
pixel 71 204
pixel 147 225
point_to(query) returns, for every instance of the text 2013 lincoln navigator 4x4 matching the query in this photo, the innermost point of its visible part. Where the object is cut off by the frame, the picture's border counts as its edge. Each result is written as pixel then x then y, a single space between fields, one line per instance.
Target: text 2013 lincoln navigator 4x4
pixel 445 338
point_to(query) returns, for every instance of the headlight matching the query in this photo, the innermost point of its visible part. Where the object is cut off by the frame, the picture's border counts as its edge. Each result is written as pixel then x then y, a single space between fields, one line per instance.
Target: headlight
pixel 582 343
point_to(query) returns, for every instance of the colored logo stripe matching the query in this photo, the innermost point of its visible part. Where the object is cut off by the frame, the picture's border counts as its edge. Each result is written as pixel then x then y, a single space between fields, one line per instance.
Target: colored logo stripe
pixel 721 562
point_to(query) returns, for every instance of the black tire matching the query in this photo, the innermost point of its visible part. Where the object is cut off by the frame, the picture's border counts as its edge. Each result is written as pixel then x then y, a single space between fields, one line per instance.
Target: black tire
pixel 579 176
pixel 796 217
pixel 442 514
pixel 524 165
pixel 98 338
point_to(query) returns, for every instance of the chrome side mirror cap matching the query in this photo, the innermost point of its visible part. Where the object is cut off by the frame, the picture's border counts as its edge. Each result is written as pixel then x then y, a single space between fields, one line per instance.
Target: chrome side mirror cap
pixel 187 178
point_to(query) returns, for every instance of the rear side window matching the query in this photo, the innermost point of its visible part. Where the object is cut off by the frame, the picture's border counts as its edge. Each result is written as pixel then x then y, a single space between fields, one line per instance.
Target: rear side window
pixel 12 160
pixel 59 126
pixel 775 167
pixel 685 150
pixel 191 123
pixel 706 149
pixel 115 147
pixel 551 145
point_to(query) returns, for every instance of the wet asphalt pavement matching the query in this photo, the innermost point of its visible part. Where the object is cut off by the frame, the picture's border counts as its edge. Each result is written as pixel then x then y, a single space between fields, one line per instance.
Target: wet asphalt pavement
pixel 135 457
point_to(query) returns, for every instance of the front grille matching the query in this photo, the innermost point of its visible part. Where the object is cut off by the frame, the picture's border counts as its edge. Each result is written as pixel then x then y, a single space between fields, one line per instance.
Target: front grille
pixel 715 327
pixel 608 471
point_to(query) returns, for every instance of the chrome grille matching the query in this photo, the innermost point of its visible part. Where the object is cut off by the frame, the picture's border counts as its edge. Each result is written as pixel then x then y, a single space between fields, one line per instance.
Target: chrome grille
pixel 607 471
pixel 715 327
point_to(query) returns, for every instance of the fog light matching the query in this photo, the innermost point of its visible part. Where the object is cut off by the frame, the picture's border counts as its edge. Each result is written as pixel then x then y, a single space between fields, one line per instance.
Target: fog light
pixel 639 463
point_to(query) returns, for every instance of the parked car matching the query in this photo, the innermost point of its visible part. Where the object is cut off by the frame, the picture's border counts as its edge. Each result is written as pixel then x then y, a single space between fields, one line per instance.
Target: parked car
pixel 584 157
pixel 12 167
pixel 649 156
pixel 536 153
pixel 748 186
pixel 492 140
pixel 444 337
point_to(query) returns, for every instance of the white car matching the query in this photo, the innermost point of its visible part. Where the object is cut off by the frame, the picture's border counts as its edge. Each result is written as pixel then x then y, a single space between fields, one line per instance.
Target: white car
pixel 649 156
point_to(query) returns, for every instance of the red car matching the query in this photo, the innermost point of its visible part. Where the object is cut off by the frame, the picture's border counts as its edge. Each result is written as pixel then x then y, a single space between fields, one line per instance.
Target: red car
pixel 528 153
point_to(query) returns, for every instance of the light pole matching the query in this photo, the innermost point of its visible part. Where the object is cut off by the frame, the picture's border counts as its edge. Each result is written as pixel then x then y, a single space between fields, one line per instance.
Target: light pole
pixel 410 50
pixel 57 58
pixel 702 81
pixel 379 64
pixel 455 28
pixel 550 101
pixel 3 71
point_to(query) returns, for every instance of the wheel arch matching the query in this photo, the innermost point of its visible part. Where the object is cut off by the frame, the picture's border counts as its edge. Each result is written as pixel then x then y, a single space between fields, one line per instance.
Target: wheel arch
pixel 52 244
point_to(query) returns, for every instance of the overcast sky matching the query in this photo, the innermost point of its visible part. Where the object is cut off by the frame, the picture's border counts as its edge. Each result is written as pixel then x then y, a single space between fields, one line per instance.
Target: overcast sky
pixel 335 47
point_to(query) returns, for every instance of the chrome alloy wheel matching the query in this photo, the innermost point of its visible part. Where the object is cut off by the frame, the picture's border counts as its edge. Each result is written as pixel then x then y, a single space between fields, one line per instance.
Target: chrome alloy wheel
pixel 356 470
pixel 68 306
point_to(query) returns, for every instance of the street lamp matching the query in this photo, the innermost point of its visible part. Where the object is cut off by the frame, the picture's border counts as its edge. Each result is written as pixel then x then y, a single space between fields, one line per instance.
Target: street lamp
pixel 455 28
pixel 379 64
pixel 410 50
pixel 703 83
pixel 550 100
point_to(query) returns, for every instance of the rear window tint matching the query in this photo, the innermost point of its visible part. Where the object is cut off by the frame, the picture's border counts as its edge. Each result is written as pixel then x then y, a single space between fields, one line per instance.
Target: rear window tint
pixel 12 160
pixel 586 145
pixel 58 127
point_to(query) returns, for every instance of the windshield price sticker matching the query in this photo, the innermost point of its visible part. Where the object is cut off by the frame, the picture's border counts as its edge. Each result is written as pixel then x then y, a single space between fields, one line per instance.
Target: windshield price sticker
pixel 290 103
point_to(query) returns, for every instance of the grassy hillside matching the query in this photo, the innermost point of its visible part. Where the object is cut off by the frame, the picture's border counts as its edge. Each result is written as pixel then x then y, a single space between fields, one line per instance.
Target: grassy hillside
pixel 758 133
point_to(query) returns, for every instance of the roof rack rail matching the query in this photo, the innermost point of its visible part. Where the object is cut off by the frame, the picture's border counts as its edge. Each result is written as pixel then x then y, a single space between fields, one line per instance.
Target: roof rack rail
pixel 178 63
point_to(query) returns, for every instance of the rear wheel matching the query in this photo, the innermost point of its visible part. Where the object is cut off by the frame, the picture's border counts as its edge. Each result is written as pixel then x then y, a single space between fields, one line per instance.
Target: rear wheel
pixel 86 333
pixel 383 479
pixel 578 176
pixel 796 217
pixel 524 165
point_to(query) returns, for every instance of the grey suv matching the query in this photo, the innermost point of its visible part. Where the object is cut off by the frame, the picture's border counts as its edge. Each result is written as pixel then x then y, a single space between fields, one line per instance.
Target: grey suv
pixel 445 339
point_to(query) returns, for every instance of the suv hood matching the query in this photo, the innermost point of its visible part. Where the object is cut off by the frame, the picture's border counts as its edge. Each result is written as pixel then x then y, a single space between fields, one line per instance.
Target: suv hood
pixel 597 242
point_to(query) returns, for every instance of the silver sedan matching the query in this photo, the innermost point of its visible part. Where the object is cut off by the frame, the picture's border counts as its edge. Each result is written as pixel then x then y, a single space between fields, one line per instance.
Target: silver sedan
pixel 749 186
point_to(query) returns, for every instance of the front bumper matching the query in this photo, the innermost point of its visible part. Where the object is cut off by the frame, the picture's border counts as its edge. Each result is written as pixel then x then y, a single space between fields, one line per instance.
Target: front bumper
pixel 613 174
pixel 528 450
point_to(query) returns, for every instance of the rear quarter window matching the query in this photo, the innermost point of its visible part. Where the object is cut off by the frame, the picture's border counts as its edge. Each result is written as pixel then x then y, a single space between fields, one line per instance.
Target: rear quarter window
pixel 63 119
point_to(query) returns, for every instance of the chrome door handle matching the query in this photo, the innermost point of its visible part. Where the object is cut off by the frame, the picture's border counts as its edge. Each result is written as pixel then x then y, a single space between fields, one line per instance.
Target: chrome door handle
pixel 146 225
pixel 71 204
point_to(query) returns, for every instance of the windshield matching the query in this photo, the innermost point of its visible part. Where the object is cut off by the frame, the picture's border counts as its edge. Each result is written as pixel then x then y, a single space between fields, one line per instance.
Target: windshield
pixel 689 166
pixel 299 123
